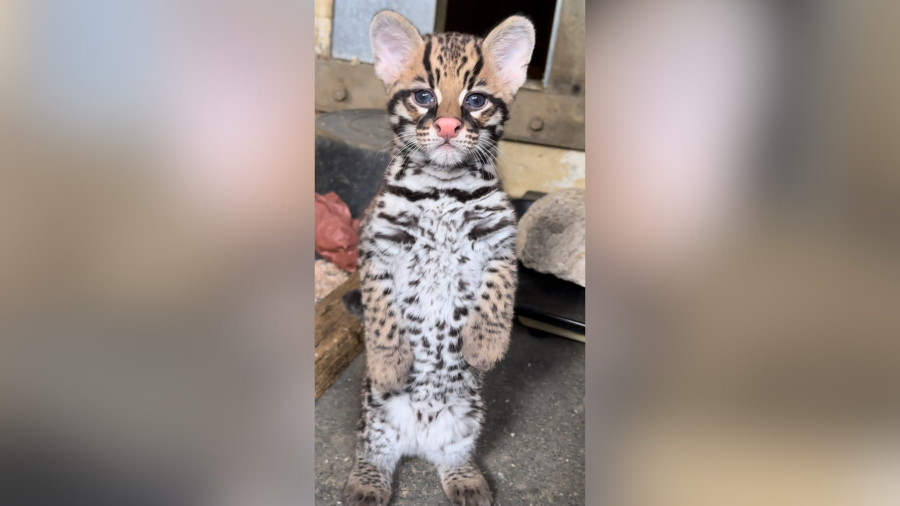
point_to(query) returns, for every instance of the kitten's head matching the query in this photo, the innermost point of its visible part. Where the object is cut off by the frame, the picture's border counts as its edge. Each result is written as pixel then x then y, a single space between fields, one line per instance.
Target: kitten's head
pixel 450 93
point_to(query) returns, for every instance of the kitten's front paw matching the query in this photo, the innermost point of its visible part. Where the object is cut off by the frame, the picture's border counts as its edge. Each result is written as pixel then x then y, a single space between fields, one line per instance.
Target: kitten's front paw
pixel 359 494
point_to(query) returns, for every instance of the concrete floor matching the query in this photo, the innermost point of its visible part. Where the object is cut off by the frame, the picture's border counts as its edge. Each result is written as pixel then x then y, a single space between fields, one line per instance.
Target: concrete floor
pixel 532 448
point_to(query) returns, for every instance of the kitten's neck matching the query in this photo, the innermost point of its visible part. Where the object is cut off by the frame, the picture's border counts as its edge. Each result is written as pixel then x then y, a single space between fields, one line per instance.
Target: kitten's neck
pixel 412 168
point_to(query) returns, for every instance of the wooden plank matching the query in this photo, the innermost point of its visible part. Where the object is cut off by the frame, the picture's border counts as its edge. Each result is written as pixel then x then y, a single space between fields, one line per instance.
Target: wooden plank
pixel 339 336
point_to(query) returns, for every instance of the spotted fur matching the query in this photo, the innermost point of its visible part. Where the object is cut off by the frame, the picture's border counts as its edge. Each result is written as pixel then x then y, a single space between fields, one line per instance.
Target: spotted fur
pixel 437 253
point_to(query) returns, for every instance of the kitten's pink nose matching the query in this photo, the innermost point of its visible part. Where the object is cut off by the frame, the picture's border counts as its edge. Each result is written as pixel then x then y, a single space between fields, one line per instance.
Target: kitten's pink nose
pixel 448 128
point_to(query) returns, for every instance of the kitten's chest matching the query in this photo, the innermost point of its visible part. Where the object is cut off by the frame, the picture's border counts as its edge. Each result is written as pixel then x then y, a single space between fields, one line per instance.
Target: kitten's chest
pixel 444 261
pixel 443 224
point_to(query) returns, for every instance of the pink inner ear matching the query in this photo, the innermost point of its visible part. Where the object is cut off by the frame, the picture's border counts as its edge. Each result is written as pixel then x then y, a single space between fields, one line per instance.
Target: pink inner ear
pixel 516 60
pixel 391 52
pixel 512 53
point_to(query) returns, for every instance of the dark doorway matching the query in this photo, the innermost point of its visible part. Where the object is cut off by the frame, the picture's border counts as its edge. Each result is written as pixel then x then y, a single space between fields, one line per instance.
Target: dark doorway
pixel 478 17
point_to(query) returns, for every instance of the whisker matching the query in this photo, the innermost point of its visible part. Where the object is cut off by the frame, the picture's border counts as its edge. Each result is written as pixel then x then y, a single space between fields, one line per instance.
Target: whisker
pixel 500 164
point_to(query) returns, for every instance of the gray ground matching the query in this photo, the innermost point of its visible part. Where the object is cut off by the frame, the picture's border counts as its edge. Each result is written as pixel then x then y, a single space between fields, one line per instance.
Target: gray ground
pixel 532 449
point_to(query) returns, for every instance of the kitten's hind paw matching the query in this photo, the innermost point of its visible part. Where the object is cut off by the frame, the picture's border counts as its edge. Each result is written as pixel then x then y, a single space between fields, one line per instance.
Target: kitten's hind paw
pixel 358 494
pixel 466 486
pixel 368 485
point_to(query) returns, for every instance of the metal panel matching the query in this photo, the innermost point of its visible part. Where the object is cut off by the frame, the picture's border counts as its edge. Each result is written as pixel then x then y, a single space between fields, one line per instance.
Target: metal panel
pixel 350 29
pixel 566 72
pixel 537 117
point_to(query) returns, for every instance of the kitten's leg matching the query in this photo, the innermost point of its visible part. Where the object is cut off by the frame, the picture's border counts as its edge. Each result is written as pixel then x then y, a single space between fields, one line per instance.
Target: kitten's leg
pixel 485 336
pixel 465 485
pixel 377 454
pixel 452 454
pixel 388 352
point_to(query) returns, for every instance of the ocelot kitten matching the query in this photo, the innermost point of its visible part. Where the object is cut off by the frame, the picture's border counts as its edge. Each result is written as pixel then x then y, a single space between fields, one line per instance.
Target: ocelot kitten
pixel 437 251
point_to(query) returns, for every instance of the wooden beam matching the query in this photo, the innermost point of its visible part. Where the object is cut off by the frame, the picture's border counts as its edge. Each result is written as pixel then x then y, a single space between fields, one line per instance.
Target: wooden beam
pixel 339 336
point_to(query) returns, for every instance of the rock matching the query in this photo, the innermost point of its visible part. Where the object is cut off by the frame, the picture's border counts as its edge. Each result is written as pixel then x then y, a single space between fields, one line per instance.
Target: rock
pixel 551 235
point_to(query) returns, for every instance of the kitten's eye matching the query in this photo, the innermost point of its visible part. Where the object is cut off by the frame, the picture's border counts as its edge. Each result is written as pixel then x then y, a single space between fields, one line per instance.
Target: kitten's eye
pixel 475 101
pixel 424 97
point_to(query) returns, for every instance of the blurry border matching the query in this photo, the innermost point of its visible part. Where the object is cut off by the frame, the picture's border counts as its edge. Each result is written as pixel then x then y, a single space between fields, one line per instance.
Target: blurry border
pixel 759 367
pixel 156 272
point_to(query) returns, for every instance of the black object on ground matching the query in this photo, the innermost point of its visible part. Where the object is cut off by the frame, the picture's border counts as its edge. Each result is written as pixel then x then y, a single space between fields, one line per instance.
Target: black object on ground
pixel 545 297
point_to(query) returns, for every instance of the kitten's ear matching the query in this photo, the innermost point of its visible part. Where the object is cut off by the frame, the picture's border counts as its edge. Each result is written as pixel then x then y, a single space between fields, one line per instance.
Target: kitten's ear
pixel 394 39
pixel 508 48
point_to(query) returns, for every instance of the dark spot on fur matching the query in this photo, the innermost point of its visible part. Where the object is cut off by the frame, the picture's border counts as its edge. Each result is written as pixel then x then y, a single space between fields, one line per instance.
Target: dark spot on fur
pixel 479 231
pixel 412 195
pixel 464 196
pixel 399 237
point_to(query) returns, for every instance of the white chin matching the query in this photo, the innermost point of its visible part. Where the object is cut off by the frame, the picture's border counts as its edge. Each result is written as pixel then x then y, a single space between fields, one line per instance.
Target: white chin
pixel 446 156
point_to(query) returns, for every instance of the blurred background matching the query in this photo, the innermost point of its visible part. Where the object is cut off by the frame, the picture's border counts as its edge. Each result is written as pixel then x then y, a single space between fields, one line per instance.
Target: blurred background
pixel 744 258
pixel 155 198
pixel 156 189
